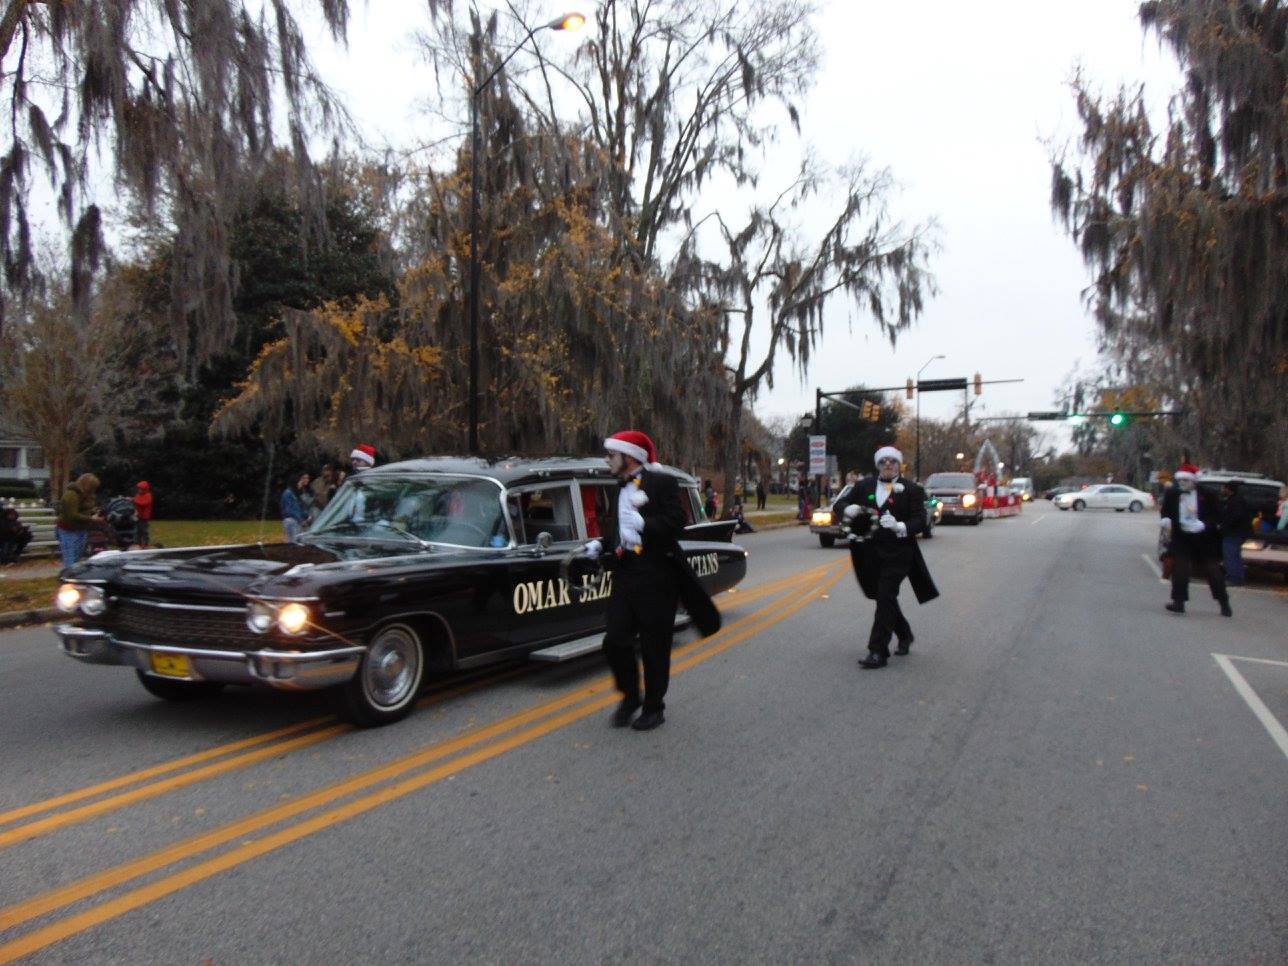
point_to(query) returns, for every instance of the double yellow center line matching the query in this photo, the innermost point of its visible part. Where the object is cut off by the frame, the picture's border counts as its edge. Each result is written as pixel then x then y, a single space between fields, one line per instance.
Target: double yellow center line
pixel 472 748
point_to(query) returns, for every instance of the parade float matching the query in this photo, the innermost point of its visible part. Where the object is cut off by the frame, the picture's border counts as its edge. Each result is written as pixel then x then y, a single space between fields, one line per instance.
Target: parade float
pixel 995 497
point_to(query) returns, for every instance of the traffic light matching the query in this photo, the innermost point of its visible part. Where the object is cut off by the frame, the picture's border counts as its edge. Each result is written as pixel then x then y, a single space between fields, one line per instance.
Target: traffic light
pixel 909 389
pixel 979 385
pixel 870 411
pixel 876 412
pixel 1118 420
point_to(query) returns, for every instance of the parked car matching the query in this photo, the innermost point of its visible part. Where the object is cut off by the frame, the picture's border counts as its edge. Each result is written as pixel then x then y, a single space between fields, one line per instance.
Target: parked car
pixel 1260 492
pixel 1106 496
pixel 415 568
pixel 827 524
pixel 1267 551
pixel 956 491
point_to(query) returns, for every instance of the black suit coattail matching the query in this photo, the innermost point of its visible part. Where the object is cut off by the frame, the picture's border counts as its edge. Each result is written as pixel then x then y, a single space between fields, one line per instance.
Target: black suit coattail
pixel 882 562
pixel 647 589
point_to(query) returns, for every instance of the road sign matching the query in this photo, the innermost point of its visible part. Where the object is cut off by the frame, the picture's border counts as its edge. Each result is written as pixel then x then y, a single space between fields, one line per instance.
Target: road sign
pixel 817 455
pixel 1048 414
pixel 940 385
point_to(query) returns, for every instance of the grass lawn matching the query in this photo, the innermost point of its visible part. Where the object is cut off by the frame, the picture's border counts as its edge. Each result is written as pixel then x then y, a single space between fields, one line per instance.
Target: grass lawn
pixel 29 594
pixel 210 533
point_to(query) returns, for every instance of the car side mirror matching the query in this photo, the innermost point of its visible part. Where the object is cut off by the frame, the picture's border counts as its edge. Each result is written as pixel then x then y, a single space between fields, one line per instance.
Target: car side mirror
pixel 544 541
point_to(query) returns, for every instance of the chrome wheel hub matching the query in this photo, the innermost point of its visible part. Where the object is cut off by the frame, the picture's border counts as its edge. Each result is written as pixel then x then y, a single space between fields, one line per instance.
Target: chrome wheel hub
pixel 392 668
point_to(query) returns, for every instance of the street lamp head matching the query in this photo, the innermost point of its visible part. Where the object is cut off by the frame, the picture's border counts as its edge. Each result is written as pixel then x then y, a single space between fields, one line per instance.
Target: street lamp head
pixel 569 21
pixel 961 456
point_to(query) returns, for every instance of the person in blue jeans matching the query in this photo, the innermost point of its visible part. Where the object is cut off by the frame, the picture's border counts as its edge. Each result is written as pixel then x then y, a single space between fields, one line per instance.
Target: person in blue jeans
pixel 76 515
pixel 293 512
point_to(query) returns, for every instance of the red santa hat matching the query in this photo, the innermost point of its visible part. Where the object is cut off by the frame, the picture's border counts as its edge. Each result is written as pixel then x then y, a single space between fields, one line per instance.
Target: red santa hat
pixel 364 453
pixel 887 452
pixel 1186 471
pixel 632 443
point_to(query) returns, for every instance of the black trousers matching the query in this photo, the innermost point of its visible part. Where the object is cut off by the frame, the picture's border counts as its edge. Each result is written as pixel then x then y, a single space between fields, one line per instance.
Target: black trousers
pixel 641 609
pixel 1189 555
pixel 888 620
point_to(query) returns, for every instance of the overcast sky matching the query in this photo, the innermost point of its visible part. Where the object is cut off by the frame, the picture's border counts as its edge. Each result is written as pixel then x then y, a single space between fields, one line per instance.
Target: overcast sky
pixel 957 100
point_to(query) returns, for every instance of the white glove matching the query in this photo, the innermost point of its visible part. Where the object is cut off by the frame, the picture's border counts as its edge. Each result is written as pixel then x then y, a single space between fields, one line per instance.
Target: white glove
pixel 593 549
pixel 630 519
pixel 888 522
pixel 901 530
pixel 852 511
pixel 1194 526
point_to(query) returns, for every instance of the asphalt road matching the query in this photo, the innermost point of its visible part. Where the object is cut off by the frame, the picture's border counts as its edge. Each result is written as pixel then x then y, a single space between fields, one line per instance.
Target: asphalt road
pixel 1059 771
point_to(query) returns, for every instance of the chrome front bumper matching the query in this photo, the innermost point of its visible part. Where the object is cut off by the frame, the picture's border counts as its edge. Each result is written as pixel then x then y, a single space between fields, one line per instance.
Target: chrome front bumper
pixel 288 670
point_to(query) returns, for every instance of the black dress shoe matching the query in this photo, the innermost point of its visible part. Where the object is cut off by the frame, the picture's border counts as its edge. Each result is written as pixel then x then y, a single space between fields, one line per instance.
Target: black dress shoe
pixel 874 661
pixel 904 646
pixel 1176 607
pixel 648 721
pixel 1225 609
pixel 625 711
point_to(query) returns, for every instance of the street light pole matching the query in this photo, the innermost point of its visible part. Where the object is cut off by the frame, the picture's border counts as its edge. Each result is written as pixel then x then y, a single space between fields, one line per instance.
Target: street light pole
pixel 919 372
pixel 571 21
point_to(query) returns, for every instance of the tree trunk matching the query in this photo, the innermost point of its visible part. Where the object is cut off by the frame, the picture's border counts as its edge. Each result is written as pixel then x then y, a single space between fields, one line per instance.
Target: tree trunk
pixel 731 451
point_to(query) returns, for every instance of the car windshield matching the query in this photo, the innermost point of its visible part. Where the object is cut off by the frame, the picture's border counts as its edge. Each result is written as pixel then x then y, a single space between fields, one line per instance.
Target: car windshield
pixel 454 511
pixel 952 481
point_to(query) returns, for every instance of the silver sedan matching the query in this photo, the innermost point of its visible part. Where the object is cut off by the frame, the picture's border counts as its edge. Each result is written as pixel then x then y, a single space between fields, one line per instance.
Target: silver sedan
pixel 1105 496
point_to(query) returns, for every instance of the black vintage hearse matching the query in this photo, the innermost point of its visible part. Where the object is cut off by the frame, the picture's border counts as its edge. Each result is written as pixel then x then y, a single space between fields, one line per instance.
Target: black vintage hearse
pixel 425 566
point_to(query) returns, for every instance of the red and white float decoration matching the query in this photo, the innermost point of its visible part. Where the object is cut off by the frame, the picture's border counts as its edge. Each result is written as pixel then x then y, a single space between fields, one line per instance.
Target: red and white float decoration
pixel 997 501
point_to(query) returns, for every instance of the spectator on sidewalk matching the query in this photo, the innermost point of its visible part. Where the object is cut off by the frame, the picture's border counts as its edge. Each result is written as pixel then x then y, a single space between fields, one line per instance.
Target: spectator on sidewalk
pixel 14 536
pixel 293 514
pixel 324 487
pixel 761 496
pixel 142 513
pixel 1236 527
pixel 76 516
pixel 709 500
pixel 736 514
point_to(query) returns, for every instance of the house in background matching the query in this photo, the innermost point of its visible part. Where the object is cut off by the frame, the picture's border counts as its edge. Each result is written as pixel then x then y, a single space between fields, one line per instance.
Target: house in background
pixel 21 458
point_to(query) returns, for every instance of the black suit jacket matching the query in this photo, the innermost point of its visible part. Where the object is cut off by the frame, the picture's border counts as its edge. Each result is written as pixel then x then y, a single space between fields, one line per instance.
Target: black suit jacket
pixel 661 553
pixel 885 551
pixel 1209 541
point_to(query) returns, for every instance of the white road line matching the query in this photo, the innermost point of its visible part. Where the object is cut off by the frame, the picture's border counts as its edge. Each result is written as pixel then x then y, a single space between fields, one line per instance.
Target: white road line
pixel 1037 521
pixel 1257 660
pixel 1253 700
pixel 1149 561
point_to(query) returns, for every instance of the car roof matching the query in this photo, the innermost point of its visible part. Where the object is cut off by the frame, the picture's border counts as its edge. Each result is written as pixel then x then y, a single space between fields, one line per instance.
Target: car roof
pixel 514 470
pixel 1222 476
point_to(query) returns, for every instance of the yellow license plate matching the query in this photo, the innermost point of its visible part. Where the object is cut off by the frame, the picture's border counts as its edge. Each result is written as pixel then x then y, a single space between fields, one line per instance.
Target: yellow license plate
pixel 171 665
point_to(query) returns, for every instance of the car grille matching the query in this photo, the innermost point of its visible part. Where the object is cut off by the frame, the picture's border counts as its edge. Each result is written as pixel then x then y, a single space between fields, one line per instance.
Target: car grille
pixel 949 500
pixel 147 624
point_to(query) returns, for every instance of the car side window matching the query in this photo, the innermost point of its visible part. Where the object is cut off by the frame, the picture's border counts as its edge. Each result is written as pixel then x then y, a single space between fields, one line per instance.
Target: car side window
pixel 596 506
pixel 543 510
pixel 692 505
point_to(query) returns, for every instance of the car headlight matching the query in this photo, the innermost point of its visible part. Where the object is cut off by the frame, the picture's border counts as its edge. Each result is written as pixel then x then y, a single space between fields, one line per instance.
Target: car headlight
pixel 821 518
pixel 93 601
pixel 293 618
pixel 968 500
pixel 67 597
pixel 260 616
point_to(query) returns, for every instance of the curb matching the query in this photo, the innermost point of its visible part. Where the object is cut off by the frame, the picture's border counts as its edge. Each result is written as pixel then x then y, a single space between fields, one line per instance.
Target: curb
pixel 18 618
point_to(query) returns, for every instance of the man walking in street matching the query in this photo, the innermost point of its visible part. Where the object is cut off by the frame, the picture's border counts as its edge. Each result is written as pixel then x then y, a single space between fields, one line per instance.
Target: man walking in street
pixel 1196 539
pixel 887 552
pixel 650 578
pixel 1236 527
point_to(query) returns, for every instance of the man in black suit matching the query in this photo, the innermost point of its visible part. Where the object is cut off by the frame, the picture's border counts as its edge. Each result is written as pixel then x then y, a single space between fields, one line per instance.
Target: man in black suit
pixel 1195 539
pixel 650 578
pixel 889 551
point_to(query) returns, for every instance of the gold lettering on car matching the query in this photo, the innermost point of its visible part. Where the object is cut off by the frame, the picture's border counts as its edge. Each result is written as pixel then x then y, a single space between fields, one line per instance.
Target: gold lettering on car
pixel 535 595
pixel 705 564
